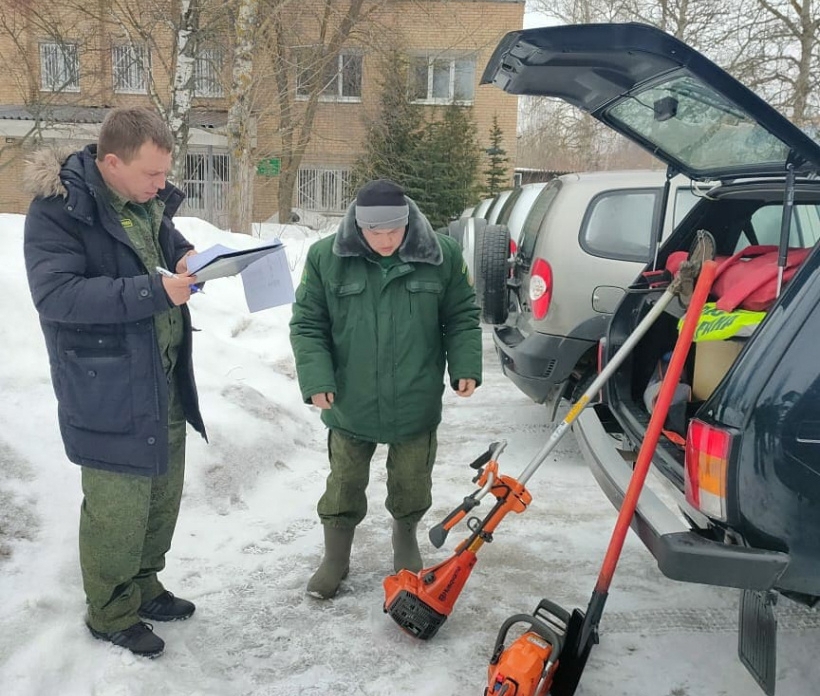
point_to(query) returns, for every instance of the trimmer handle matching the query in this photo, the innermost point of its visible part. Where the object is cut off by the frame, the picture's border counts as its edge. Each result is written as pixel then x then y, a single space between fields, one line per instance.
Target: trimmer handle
pixel 438 534
pixel 482 459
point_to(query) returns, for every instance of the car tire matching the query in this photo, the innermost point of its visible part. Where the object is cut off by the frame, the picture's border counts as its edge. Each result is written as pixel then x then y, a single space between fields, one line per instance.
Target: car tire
pixel 492 249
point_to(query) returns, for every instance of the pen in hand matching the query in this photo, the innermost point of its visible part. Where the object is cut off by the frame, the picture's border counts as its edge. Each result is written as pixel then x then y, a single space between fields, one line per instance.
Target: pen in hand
pixel 165 272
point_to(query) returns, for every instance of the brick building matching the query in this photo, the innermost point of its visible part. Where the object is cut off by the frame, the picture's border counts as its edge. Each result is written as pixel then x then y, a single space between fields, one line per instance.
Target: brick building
pixel 62 87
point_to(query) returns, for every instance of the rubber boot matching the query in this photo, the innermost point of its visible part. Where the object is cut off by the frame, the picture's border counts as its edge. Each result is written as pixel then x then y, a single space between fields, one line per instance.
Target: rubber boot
pixel 405 547
pixel 334 566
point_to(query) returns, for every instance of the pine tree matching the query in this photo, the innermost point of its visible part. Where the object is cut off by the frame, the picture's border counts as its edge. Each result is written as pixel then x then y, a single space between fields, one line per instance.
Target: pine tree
pixel 496 171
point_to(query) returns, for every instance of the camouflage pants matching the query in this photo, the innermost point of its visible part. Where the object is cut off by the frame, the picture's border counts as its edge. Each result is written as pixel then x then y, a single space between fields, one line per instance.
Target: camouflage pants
pixel 126 526
pixel 409 479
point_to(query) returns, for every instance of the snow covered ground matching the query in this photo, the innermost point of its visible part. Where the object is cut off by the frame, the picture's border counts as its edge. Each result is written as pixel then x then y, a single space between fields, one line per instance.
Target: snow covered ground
pixel 248 540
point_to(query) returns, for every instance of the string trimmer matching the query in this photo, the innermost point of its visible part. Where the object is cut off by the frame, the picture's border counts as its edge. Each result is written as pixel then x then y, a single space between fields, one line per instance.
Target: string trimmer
pixel 421 602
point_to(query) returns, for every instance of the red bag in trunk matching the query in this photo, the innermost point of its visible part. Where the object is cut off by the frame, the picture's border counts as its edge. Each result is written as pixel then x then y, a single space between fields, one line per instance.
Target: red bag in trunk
pixel 749 278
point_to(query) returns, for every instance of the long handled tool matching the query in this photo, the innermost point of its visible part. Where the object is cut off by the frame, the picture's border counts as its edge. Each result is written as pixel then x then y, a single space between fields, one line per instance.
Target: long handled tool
pixel 582 628
pixel 421 602
pixel 582 632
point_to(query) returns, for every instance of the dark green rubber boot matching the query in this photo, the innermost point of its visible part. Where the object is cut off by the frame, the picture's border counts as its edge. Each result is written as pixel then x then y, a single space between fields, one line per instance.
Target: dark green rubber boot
pixel 406 553
pixel 334 566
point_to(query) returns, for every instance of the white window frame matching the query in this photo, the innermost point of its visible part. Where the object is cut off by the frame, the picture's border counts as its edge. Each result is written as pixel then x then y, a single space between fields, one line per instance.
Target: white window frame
pixel 208 66
pixel 432 60
pixel 129 64
pixel 55 56
pixel 338 79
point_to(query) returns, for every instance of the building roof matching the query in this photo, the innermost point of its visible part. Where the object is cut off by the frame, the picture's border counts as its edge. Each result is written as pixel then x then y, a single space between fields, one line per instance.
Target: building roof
pixel 95 114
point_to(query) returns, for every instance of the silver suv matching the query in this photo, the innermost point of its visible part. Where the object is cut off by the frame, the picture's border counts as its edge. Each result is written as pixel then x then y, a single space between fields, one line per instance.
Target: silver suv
pixel 584 240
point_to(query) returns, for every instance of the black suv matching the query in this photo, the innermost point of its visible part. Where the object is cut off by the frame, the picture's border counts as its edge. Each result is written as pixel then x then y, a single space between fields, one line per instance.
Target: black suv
pixel 744 464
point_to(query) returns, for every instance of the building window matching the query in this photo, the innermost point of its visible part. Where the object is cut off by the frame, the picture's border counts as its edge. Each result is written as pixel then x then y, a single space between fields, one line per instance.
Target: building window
pixel 324 189
pixel 341 80
pixel 208 72
pixel 129 66
pixel 437 80
pixel 59 67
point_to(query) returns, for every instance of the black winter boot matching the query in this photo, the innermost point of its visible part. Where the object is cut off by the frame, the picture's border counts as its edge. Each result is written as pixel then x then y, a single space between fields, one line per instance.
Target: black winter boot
pixel 335 565
pixel 406 553
pixel 139 639
pixel 166 607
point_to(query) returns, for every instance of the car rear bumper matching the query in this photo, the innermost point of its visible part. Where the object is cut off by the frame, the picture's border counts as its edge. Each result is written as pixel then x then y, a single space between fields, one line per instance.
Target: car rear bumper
pixel 681 553
pixel 538 362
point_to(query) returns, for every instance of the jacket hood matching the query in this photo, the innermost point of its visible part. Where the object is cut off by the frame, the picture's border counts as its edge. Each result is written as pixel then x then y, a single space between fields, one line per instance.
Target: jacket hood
pixel 41 173
pixel 420 243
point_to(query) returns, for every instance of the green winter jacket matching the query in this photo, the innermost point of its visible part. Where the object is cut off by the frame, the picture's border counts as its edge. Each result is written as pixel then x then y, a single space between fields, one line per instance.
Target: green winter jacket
pixel 379 340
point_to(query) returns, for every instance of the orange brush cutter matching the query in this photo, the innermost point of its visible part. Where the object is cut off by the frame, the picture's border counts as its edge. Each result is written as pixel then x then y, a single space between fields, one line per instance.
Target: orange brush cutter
pixel 421 602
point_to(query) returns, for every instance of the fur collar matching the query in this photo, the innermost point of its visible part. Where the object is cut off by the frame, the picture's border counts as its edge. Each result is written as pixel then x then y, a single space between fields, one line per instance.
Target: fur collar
pixel 41 173
pixel 420 244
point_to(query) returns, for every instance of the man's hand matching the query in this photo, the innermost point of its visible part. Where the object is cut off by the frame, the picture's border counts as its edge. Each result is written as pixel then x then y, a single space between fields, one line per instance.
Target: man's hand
pixel 466 387
pixel 324 400
pixel 182 264
pixel 178 287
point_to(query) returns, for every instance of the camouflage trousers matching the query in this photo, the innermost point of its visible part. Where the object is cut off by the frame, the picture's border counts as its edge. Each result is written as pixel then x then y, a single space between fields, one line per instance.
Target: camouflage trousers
pixel 126 526
pixel 409 479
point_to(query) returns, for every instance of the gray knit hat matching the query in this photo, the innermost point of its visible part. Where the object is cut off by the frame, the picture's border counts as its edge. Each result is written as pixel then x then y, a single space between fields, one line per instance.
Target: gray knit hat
pixel 380 205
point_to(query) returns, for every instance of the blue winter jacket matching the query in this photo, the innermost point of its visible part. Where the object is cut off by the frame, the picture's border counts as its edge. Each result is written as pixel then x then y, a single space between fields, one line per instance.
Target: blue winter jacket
pixel 96 302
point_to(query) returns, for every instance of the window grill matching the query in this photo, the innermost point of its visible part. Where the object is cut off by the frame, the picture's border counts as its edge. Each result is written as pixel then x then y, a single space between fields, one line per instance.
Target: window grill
pixel 208 68
pixel 207 185
pixel 324 189
pixel 129 69
pixel 59 67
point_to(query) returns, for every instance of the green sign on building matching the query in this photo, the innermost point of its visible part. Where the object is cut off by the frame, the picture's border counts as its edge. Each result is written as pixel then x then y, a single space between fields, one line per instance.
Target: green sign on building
pixel 269 167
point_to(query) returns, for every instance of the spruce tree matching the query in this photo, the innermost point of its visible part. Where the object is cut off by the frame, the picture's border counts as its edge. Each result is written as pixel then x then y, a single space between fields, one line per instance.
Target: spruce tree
pixel 453 158
pixel 433 153
pixel 496 171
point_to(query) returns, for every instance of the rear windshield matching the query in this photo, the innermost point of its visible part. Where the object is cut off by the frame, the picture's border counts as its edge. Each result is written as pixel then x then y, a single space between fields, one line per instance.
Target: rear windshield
pixel 504 215
pixel 698 127
pixel 538 211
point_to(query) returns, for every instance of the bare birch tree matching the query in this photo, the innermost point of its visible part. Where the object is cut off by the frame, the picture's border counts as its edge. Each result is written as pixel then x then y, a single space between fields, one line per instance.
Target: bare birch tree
pixel 240 117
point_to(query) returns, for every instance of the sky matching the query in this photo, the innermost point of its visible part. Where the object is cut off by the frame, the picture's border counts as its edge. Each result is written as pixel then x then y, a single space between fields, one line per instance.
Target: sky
pixel 248 540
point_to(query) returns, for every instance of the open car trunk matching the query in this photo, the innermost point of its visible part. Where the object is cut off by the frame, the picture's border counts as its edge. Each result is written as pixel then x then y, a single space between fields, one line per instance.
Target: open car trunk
pixel 738 216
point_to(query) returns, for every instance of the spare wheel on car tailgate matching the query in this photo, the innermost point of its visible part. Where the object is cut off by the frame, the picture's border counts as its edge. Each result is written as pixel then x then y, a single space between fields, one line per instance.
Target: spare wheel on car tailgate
pixel 492 249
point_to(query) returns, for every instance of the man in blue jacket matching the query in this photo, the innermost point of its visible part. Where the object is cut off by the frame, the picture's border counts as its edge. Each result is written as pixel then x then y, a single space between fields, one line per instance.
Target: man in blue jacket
pixel 118 337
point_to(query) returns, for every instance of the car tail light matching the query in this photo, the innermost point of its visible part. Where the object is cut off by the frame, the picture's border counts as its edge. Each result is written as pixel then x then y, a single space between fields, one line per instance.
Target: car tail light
pixel 707 464
pixel 540 288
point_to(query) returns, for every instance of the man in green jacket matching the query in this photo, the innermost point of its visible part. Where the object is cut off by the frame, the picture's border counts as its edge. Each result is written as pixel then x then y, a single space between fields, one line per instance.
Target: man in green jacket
pixel 383 305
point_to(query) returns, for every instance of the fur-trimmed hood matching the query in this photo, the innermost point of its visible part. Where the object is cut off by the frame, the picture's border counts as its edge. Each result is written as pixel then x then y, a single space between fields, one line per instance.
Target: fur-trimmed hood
pixel 41 173
pixel 420 243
